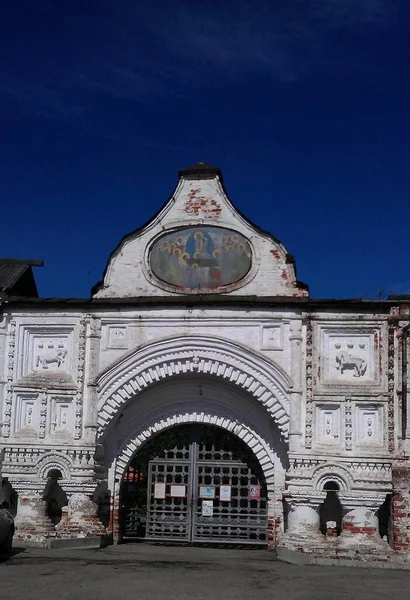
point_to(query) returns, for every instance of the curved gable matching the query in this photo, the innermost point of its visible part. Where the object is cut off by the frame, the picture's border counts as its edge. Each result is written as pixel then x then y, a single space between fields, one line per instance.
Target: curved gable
pixel 199 244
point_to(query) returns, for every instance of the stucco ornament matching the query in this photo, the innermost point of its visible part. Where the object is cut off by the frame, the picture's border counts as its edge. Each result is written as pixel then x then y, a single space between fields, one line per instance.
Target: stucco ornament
pixel 345 362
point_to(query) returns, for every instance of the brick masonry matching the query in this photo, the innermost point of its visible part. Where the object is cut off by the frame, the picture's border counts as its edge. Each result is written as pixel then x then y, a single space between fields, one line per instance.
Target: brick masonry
pixel 401 507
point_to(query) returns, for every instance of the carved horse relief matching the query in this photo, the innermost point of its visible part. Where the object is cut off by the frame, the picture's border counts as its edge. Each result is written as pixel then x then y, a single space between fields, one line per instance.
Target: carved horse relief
pixel 347 362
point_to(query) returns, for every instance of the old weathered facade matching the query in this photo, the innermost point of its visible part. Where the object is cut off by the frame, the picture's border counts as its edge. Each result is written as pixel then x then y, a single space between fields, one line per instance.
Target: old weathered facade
pixel 200 395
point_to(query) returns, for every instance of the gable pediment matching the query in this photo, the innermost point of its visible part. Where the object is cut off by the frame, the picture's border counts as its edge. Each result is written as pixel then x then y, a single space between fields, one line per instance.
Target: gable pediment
pixel 199 244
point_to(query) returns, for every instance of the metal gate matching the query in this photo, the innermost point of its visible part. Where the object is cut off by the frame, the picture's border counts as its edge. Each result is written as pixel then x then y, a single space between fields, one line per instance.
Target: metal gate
pixel 196 484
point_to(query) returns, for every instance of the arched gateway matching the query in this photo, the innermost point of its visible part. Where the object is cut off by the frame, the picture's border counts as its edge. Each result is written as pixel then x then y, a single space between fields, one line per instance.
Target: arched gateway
pixel 194 431
pixel 194 483
pixel 201 395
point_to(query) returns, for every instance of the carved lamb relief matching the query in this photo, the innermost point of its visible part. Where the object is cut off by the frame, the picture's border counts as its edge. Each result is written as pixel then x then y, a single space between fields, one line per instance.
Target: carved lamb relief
pixel 45 351
pixel 50 354
pixel 345 361
pixel 349 357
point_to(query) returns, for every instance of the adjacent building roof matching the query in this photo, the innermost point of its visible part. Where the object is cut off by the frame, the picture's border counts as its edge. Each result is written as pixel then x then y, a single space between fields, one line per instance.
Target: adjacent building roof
pixel 16 277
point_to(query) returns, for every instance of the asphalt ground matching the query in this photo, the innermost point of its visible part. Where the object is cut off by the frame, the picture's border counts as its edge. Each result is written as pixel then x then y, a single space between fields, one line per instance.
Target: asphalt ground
pixel 148 572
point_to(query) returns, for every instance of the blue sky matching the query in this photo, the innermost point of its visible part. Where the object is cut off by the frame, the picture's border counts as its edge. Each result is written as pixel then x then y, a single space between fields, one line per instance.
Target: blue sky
pixel 304 105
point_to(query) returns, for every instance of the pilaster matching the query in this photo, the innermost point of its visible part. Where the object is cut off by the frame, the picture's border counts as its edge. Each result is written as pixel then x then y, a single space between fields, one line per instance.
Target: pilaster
pixel 295 395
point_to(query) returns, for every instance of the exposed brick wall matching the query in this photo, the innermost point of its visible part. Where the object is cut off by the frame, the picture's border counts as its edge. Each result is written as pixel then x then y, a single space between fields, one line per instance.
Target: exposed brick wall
pixel 273 531
pixel 113 528
pixel 400 538
pixel 353 528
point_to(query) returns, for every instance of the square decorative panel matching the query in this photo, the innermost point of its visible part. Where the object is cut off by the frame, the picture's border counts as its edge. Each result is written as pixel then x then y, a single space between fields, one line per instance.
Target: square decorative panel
pixel 348 357
pixel 44 350
pixel 328 424
pixel 369 425
pixel 26 412
pixel 117 336
pixel 61 414
pixel 271 337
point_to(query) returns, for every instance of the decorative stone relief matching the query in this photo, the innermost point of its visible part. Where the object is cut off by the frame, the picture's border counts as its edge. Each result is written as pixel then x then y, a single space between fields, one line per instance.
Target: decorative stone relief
pixel 45 350
pixel 117 336
pixel 26 412
pixel 80 381
pixel 309 384
pixel 43 415
pixel 271 337
pixel 31 462
pixel 268 384
pixel 390 389
pixel 369 424
pixel 348 357
pixel 51 461
pixel 50 353
pixel 348 424
pixel 345 361
pixel 10 375
pixel 328 424
pixel 61 414
pixel 363 469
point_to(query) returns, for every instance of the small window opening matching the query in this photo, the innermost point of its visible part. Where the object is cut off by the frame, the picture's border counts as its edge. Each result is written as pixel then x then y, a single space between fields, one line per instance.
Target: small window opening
pixel 55 496
pixel 331 509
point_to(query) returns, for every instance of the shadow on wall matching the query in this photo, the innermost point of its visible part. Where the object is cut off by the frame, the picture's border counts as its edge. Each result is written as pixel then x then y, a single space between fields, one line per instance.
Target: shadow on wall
pixel 384 514
pixel 332 510
pixel 102 497
pixel 8 497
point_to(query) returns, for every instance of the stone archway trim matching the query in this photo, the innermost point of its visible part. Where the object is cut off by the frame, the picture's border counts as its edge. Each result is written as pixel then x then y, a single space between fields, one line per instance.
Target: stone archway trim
pixel 332 472
pixel 264 380
pixel 53 461
pixel 258 446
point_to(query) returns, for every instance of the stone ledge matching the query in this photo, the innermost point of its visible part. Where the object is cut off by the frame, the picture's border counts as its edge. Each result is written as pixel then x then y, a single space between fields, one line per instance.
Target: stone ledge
pixel 72 543
pixel 294 557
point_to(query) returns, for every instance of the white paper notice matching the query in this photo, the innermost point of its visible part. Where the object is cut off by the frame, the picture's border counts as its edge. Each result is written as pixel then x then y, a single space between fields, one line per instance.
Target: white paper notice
pixel 178 491
pixel 207 508
pixel 159 491
pixel 225 493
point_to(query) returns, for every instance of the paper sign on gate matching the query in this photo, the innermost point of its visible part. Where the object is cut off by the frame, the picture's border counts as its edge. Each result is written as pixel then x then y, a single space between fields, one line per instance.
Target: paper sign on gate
pixel 255 492
pixel 159 491
pixel 206 491
pixel 207 508
pixel 225 493
pixel 178 491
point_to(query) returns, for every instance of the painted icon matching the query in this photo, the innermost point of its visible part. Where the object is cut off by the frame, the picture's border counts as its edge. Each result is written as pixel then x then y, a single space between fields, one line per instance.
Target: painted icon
pixel 255 492
pixel 201 258
pixel 206 491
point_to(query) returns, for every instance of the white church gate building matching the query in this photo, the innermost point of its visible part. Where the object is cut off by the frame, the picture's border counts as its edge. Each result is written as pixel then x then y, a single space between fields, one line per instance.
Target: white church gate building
pixel 201 396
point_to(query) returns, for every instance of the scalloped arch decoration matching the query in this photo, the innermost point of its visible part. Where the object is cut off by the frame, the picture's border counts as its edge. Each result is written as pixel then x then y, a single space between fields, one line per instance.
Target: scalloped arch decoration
pixel 258 446
pixel 54 461
pixel 326 473
pixel 153 363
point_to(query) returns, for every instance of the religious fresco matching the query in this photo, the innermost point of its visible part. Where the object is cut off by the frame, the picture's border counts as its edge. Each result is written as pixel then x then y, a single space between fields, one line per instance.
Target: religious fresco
pixel 201 257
